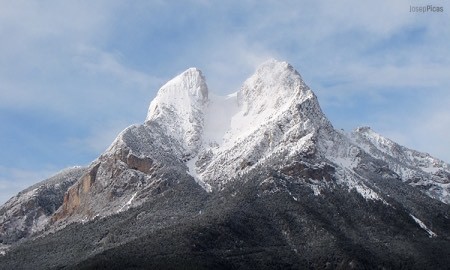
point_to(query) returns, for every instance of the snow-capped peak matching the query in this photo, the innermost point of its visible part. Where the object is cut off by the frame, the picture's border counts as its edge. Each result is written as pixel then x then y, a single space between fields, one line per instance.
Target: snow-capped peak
pixel 178 109
pixel 274 83
pixel 183 92
pixel 274 89
pixel 273 111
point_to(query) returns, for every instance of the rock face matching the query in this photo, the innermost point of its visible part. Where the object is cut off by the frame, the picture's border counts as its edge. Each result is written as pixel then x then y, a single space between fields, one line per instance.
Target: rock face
pixel 74 195
pixel 256 179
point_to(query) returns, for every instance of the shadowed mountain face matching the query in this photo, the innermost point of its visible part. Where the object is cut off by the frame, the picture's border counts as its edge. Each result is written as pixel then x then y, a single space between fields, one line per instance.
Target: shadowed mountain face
pixel 256 179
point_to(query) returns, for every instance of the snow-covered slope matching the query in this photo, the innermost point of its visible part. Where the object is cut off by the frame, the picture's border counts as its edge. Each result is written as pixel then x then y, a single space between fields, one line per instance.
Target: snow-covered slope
pixel 418 169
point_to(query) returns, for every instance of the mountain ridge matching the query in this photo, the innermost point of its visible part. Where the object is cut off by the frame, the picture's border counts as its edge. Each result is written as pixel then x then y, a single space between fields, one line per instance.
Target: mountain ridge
pixel 268 143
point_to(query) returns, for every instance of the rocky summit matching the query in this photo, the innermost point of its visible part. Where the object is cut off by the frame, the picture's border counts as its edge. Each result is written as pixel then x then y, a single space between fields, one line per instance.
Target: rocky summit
pixel 258 179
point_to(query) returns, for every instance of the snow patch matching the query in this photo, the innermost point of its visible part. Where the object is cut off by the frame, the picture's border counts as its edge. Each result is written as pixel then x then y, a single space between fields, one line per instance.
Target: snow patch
pixel 292 195
pixel 39 224
pixel 354 182
pixel 431 169
pixel 3 249
pixel 346 162
pixel 128 203
pixel 192 171
pixel 366 192
pixel 423 226
pixel 315 189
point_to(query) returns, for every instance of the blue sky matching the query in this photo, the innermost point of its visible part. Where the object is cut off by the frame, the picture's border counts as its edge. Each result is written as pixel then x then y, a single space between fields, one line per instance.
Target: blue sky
pixel 73 74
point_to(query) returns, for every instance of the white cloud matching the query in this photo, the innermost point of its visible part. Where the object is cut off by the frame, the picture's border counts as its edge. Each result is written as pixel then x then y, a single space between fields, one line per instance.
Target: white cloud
pixel 97 61
pixel 38 41
pixel 32 21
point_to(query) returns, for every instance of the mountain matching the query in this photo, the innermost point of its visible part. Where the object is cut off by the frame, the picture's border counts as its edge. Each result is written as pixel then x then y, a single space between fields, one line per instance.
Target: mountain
pixel 256 179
